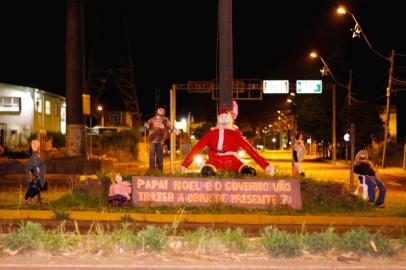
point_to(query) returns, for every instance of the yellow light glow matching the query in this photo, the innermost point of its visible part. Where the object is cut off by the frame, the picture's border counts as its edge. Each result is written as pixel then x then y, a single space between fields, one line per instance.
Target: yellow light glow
pixel 198 159
pixel 313 55
pixel 100 108
pixel 341 10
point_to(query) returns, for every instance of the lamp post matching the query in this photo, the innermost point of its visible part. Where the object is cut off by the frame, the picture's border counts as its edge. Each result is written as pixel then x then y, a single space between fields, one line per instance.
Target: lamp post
pixel 100 110
pixel 357 32
pixel 325 71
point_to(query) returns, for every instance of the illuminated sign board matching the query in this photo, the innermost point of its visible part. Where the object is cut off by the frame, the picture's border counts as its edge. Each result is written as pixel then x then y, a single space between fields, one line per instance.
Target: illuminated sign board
pixel 275 87
pixel 309 86
pixel 254 193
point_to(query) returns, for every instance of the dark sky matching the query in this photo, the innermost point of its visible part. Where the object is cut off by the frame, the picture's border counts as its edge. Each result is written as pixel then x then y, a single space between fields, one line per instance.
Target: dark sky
pixel 175 41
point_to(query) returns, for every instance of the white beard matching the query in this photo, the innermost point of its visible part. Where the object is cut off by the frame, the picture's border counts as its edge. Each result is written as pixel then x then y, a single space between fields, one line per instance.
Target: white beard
pixel 224 121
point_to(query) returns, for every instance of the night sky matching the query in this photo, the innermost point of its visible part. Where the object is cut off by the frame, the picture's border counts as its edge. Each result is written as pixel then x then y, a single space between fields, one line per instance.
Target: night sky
pixel 176 41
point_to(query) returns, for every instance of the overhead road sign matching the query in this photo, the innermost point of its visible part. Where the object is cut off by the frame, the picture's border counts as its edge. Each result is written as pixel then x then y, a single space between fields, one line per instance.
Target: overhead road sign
pixel 275 87
pixel 308 86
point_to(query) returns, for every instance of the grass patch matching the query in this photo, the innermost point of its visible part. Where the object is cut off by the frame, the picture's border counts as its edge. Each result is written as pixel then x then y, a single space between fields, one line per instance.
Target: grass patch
pixel 30 237
pixel 153 238
pixel 27 238
pixel 127 218
pixel 61 215
pixel 280 243
pixel 204 240
pixel 318 197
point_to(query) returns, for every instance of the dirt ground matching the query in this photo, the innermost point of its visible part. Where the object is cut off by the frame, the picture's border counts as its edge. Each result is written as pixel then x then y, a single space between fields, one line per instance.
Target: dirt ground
pixel 175 260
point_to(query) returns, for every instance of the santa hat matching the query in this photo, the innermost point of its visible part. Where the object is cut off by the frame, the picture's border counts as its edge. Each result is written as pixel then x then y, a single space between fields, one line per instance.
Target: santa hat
pixel 224 111
pixel 233 112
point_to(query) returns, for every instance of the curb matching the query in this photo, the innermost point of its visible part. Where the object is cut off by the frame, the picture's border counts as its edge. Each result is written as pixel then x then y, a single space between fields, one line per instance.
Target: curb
pixel 214 219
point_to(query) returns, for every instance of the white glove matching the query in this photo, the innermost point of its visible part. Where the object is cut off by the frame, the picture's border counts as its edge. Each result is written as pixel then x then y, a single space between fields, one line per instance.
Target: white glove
pixel 146 125
pixel 270 170
pixel 183 169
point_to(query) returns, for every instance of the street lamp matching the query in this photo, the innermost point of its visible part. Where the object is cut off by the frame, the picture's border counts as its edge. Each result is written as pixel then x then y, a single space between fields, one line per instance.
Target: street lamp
pixel 334 117
pixel 357 31
pixel 100 110
pixel 327 71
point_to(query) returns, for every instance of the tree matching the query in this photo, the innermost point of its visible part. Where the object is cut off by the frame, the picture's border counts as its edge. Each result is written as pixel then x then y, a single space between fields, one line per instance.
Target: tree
pixel 313 114
pixel 368 124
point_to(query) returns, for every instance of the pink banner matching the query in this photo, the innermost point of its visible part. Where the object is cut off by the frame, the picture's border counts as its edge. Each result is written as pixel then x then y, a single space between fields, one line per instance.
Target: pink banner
pixel 256 193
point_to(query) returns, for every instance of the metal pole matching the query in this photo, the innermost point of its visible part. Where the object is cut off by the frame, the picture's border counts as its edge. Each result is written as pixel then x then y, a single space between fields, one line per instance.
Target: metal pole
pixel 146 147
pixel 334 137
pixel 352 132
pixel 226 54
pixel 90 138
pixel 404 156
pixel 172 119
pixel 349 88
pixel 388 90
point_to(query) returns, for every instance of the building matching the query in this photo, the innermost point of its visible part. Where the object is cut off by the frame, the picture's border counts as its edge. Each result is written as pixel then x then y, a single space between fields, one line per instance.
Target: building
pixel 26 110
pixel 117 118
pixel 393 130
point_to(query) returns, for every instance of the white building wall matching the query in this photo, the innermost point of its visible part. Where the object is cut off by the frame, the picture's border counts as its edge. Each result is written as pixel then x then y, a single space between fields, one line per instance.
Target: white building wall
pixel 21 124
pixel 22 121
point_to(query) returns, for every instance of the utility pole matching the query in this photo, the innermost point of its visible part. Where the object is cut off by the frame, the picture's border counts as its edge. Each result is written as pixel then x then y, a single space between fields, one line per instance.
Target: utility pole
pixel 334 129
pixel 172 119
pixel 349 88
pixel 388 91
pixel 75 83
pixel 352 137
pixel 226 54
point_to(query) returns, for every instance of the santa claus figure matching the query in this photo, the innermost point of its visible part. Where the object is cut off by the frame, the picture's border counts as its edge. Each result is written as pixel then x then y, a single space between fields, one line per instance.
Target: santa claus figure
pixel 224 141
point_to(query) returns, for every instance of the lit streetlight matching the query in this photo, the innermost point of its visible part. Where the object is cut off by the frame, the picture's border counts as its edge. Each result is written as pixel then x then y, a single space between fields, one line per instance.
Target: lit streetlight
pixel 357 32
pixel 327 71
pixel 100 110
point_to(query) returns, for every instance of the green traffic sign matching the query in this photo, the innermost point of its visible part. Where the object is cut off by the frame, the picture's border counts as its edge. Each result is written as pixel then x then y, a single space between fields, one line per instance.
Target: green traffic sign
pixel 309 87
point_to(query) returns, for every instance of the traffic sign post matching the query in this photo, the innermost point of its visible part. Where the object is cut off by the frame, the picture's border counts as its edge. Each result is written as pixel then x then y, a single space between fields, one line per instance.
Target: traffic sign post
pixel 91 122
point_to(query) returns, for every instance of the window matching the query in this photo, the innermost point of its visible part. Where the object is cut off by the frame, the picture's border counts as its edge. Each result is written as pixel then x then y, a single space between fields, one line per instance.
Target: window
pixel 38 104
pixel 10 104
pixel 47 107
pixel 114 119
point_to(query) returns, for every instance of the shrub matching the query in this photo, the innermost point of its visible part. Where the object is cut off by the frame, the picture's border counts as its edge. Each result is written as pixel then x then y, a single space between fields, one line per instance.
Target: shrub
pixel 60 214
pixel 356 241
pixel 205 240
pixel 235 239
pixel 123 142
pixel 58 240
pixel 280 243
pixel 362 242
pixel 153 238
pixel 321 242
pixel 125 238
pixel 328 197
pixel 28 237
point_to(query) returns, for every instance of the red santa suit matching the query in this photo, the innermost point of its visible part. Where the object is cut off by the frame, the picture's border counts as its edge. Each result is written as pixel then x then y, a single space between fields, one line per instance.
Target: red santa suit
pixel 224 141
